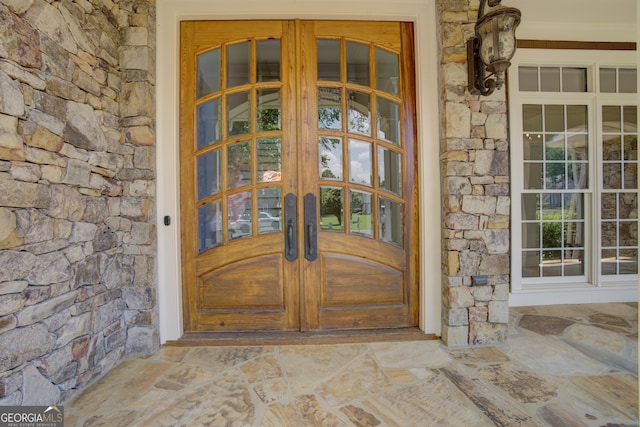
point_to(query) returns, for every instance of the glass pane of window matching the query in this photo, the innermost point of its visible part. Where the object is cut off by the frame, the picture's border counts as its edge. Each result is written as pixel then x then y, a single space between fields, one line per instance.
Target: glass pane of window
pixel 532 176
pixel 390 171
pixel 550 79
pixel 358 63
pixel 631 148
pixel 577 118
pixel 268 109
pixel 361 213
pixel 574 79
pixel 238 164
pixel 329 108
pixel 360 162
pixel 612 176
pixel 532 146
pixel 611 118
pixel 330 150
pixel 208 123
pixel 359 112
pixel 628 205
pixel 628 232
pixel 331 209
pixel 269 159
pixel 531 264
pixel 240 218
pixel 573 262
pixel 630 176
pixel 552 263
pixel 577 148
pixel 554 146
pixel 390 228
pixel 554 176
pixel 628 261
pixel 528 79
pixel 329 60
pixel 554 118
pixel 573 207
pixel 238 61
pixel 209 174
pixel 611 149
pixel 269 210
pixel 532 118
pixel 209 225
pixel 238 114
pixel 268 61
pixel 530 235
pixel 530 207
pixel 609 263
pixel 577 175
pixel 609 233
pixel 388 120
pixel 551 206
pixel 387 71
pixel 630 118
pixel 628 80
pixel 208 72
pixel 609 206
pixel 608 80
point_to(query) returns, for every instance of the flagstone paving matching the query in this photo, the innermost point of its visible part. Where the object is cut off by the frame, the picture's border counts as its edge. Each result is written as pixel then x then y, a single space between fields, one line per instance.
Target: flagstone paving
pixel 562 366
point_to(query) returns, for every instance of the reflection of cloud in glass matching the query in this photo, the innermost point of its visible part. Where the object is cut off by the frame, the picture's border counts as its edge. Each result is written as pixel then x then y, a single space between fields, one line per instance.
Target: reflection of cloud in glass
pixel 360 162
pixel 333 164
pixel 360 173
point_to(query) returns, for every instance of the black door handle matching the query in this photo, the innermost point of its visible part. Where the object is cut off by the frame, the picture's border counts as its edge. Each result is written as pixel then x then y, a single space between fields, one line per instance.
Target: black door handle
pixel 310 228
pixel 291 229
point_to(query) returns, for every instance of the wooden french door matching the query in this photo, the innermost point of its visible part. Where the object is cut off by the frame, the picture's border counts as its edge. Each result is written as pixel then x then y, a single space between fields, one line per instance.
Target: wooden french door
pixel 298 175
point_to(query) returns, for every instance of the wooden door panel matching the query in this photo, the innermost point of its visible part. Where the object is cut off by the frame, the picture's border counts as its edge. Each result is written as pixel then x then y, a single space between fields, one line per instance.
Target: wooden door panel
pixel 364 317
pixel 349 280
pixel 255 282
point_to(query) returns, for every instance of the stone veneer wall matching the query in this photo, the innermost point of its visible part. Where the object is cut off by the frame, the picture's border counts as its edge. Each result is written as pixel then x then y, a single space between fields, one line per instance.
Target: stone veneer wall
pixel 77 185
pixel 475 190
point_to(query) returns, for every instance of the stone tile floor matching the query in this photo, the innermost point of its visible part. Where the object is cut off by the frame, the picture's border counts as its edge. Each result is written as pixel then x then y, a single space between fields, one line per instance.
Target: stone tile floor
pixel 570 365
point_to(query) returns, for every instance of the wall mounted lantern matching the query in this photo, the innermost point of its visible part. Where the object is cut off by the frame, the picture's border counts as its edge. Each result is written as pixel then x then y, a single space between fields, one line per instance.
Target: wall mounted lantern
pixel 492 47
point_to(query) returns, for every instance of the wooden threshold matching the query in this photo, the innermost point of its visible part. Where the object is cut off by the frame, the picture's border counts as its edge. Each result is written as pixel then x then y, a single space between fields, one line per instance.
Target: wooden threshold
pixel 193 339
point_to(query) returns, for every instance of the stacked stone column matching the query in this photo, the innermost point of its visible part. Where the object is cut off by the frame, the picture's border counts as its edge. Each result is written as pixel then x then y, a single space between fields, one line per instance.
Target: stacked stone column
pixel 476 193
pixel 77 193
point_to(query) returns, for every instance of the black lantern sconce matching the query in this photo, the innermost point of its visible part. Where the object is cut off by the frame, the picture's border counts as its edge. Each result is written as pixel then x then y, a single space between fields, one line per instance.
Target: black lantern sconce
pixel 492 47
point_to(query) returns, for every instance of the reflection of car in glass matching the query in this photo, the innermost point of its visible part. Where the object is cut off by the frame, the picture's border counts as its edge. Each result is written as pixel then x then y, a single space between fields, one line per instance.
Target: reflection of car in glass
pixel 266 222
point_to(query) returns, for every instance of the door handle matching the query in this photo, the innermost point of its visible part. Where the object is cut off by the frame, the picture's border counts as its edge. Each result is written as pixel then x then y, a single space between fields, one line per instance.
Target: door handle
pixel 291 228
pixel 310 228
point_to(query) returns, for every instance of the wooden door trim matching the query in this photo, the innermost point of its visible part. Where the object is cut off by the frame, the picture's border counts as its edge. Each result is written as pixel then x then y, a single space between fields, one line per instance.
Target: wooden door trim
pixel 412 201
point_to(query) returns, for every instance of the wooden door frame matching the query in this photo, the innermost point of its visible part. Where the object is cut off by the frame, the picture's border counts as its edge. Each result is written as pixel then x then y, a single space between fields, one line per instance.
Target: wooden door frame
pixel 171 12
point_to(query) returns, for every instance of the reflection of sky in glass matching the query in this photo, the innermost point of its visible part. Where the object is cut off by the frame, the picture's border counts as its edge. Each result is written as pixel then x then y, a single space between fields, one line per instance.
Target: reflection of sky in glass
pixel 360 162
pixel 331 158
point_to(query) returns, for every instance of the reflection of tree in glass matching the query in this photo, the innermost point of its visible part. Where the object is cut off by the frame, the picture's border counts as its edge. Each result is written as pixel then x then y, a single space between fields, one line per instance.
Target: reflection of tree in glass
pixel 239 128
pixel 329 145
pixel 331 203
pixel 328 118
pixel 269 119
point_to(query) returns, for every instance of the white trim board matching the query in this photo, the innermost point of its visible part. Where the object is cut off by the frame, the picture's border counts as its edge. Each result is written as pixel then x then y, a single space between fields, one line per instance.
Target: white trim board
pixel 169 13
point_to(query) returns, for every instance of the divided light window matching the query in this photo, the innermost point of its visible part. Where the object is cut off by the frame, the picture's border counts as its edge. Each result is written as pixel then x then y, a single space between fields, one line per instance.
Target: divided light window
pixel 577 143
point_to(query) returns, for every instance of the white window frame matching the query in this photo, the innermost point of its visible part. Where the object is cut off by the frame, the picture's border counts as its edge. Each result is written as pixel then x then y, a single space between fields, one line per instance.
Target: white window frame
pixel 592 287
